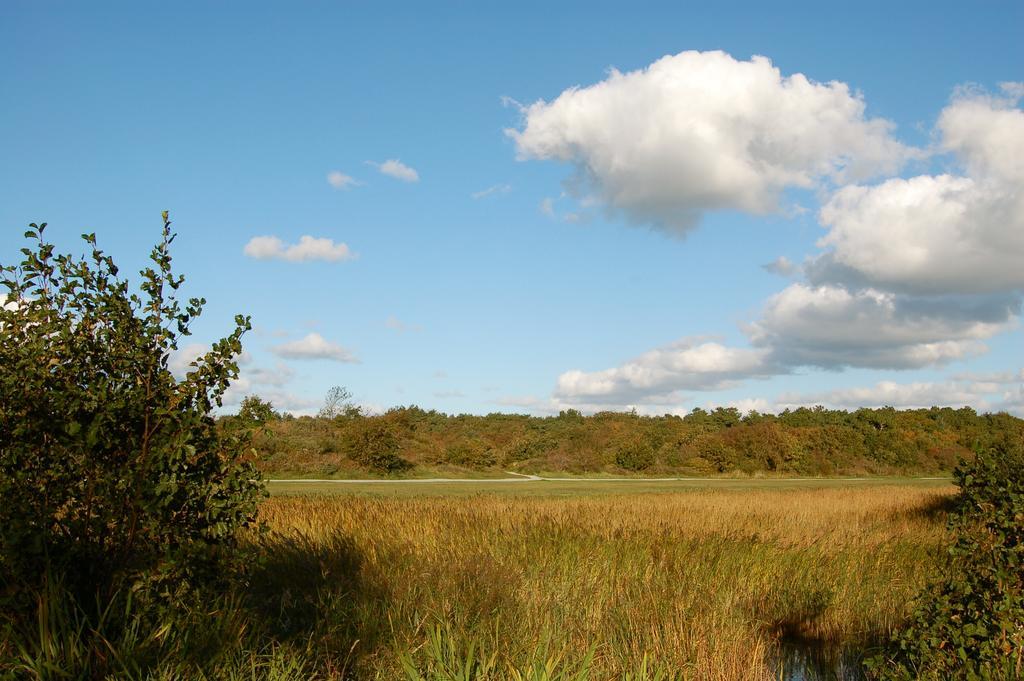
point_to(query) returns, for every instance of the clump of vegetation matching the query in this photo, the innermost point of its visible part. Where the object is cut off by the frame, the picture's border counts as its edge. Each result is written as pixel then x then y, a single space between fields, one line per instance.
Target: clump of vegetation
pixel 374 445
pixel 634 455
pixel 970 623
pixel 122 498
pixel 255 411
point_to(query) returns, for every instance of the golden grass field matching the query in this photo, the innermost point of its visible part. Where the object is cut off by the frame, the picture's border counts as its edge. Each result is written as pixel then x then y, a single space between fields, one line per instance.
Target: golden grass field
pixel 696 584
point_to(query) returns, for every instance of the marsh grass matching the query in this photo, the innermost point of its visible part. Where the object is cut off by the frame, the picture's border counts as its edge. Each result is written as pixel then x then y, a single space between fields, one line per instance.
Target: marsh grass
pixel 712 585
pixel 693 585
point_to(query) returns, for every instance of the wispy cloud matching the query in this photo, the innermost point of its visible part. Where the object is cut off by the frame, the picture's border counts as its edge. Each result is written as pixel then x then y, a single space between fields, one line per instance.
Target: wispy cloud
pixel 493 190
pixel 782 266
pixel 396 169
pixel 396 324
pixel 340 180
pixel 308 248
pixel 448 394
pixel 314 346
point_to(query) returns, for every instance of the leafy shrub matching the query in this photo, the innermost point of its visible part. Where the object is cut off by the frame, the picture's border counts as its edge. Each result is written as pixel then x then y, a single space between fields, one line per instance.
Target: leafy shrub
pixel 527 447
pixel 634 455
pixel 372 444
pixel 471 453
pixel 114 476
pixel 255 411
pixel 970 624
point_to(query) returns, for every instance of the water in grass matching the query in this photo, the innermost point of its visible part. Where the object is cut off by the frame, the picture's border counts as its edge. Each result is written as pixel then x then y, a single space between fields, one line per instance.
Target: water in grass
pixel 814 662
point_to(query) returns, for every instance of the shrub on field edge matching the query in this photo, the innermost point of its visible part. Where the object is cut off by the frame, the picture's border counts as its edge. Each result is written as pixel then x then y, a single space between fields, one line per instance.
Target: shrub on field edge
pixel 634 455
pixel 373 444
pixel 970 624
pixel 115 479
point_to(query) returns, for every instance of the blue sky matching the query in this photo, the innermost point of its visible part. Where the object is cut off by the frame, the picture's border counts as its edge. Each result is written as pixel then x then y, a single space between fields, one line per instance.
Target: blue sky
pixel 501 242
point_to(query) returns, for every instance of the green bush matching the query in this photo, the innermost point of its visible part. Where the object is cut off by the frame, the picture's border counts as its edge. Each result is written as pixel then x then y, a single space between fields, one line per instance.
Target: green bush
pixel 471 453
pixel 113 474
pixel 970 623
pixel 373 444
pixel 255 411
pixel 634 455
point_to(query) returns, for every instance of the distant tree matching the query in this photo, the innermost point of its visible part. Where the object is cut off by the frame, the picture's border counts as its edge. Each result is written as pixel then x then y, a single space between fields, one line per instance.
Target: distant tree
pixel 113 474
pixel 338 402
pixel 255 411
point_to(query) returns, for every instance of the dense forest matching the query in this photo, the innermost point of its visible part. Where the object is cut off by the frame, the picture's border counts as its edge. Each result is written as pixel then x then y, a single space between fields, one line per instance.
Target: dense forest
pixel 409 440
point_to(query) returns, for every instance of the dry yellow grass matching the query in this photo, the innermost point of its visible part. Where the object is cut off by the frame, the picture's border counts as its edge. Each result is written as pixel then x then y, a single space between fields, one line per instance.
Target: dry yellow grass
pixel 701 584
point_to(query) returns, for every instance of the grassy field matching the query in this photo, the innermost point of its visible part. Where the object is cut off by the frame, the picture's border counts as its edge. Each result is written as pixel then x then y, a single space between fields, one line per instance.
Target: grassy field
pixel 592 580
pixel 582 486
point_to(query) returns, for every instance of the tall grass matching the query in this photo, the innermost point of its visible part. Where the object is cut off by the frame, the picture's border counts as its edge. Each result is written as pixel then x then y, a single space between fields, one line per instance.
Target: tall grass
pixel 649 587
pixel 699 585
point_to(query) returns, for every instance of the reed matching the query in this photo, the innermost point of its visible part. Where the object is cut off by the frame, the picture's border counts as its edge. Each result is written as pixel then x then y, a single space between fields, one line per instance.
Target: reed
pixel 693 585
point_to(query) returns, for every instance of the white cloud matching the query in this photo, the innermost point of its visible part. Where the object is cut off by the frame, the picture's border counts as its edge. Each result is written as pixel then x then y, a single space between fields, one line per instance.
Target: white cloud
pixel 340 180
pixel 493 190
pixel 308 248
pixel 747 405
pixel 277 376
pixel 997 377
pixel 701 131
pixel 1012 400
pixel 396 169
pixel 314 346
pixel 782 266
pixel 986 131
pixel 547 207
pixel 927 234
pixel 934 234
pixel 891 394
pixel 552 406
pixel 657 375
pixel 832 327
pixel 916 272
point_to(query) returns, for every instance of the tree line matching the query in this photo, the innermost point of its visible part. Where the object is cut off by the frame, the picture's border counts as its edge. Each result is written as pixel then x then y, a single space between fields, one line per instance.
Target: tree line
pixel 805 441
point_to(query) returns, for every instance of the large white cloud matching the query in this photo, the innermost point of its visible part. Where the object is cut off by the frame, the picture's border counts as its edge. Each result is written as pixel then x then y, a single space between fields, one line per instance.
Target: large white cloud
pixel 701 131
pixel 939 233
pixel 918 271
pixel 314 346
pixel 659 373
pixel 987 131
pixel 833 327
pixel 308 248
pixel 915 272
